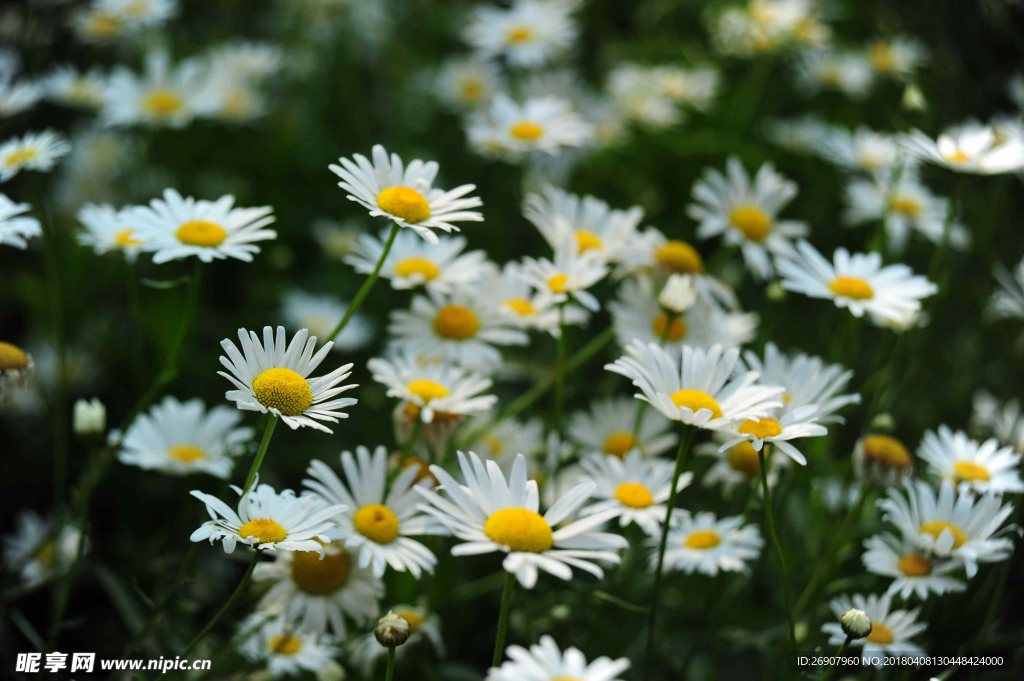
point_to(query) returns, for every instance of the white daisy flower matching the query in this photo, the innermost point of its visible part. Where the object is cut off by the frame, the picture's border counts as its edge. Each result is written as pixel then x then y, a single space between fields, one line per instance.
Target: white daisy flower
pixel 705 544
pixel 433 389
pixel 891 630
pixel 528 34
pixel 320 314
pixel 951 523
pixel 176 227
pixel 231 99
pixel 1008 303
pixel 164 95
pixel 378 519
pixel 38 151
pixel 97 25
pixel 968 148
pixel 695 87
pixel 805 134
pixel 807 381
pixel 337 239
pixel 596 226
pixel 490 514
pixel 405 194
pixel 424 626
pixel 545 124
pixel 738 466
pixel 1001 420
pixel 568 276
pixel 766 25
pixel 545 662
pixel 468 82
pixel 636 488
pixel 15 228
pixel 745 213
pixel 320 593
pixel 778 430
pixel 520 306
pixel 273 378
pixel 835 494
pixel 607 427
pixel 863 149
pixel 180 438
pixel 704 390
pixel 858 282
pixel 16 370
pixel 17 96
pixel 882 460
pixel 268 520
pixel 287 652
pixel 412 263
pixel 643 97
pixel 66 85
pixel 503 441
pixel 246 61
pixel 36 554
pixel 981 467
pixel 106 230
pixel 847 72
pixel 140 14
pixel 896 57
pixel 912 571
pixel 459 328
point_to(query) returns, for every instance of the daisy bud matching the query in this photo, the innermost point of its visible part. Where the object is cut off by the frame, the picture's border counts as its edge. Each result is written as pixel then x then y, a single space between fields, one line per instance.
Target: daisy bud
pixel 392 630
pixel 882 460
pixel 913 99
pixel 679 294
pixel 883 422
pixel 855 623
pixel 774 292
pixel 90 417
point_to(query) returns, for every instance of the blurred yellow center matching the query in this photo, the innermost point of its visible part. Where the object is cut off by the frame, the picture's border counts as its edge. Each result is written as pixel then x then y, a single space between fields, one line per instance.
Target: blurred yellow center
pixel 886 451
pixel 414 619
pixel 46 553
pixel 423 468
pixel 102 24
pixel 587 240
pixel 882 57
pixel 494 443
pixel 284 644
pixel 914 565
pixel 126 238
pixel 201 233
pixel 744 459
pixel 557 283
pixel 970 471
pixel 752 221
pixel 12 357
pixel 697 399
pixel 619 443
pixel 427 390
pixel 376 522
pixel 17 158
pixel 703 539
pixel 905 205
pixel 265 530
pixel 456 322
pixel 851 287
pixel 959 156
pixel 186 453
pixel 634 495
pixel 675 332
pixel 526 131
pixel 521 306
pixel 472 90
pixel 405 203
pixel 880 633
pixel 320 577
pixel 679 257
pixel 163 102
pixel 519 530
pixel 284 390
pixel 421 266
pixel 519 34
pixel 936 527
pixel 761 429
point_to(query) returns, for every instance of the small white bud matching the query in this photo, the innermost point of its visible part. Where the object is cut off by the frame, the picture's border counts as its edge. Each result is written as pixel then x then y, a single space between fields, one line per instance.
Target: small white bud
pixel 392 630
pixel 774 292
pixel 855 623
pixel 90 417
pixel 679 293
pixel 913 99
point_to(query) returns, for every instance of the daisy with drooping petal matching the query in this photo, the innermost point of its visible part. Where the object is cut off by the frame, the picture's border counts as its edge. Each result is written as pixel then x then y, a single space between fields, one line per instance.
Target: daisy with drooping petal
pixel 882 460
pixel 858 282
pixel 180 438
pixel 433 389
pixel 896 57
pixel 286 651
pixel 982 467
pixel 378 520
pixel 528 34
pixel 320 314
pixel 545 662
pixel 424 625
pixel 778 430
pixel 36 551
pixel 634 487
pixel 519 305
pixel 17 96
pixel 891 630
pixel 468 82
pixel 15 228
pixel 968 148
pixel 274 377
pixel 16 370
pixel 807 380
pixel 176 227
pixel 912 571
pixel 704 390
pixel 607 427
pixel 863 149
pixel 951 523
pixel 1001 419
pixel 745 213
pixel 739 466
pixel 490 514
pixel 320 593
pixel 164 95
pixel 412 263
pixel 268 520
pixel 569 276
pixel 38 151
pixel 847 72
pixel 69 87
pixel 708 545
pixel 405 194
pixel 106 231
pixel 1008 303
pixel 545 124
pixel 596 226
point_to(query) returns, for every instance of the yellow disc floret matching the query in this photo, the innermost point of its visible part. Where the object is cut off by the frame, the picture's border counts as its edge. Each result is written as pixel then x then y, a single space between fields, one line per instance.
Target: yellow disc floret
pixel 885 451
pixel 526 131
pixel 405 203
pixel 743 458
pixel 376 522
pixel 186 453
pixel 679 257
pixel 519 530
pixel 163 102
pixel 427 390
pixel 936 527
pixel 676 332
pixel 761 429
pixel 703 539
pixel 521 306
pixel 456 322
pixel 914 565
pixel 969 471
pixel 320 576
pixel 201 233
pixel 696 400
pixel 557 283
pixel 21 156
pixel 284 644
pixel 12 357
pixel 880 633
pixel 284 390
pixel 126 238
pixel 905 205
pixel 882 57
pixel 265 530
pixel 519 34
pixel 852 287
pixel 587 240
pixel 619 443
pixel 752 221
pixel 634 495
pixel 421 266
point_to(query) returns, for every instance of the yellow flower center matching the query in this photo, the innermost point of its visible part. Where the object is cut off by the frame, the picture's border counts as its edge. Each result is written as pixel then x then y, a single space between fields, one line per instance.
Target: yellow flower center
pixel 969 471
pixel 676 331
pixel 456 322
pixel 186 453
pixel 519 34
pixel 936 527
pixel 423 472
pixel 521 306
pixel 414 619
pixel 886 451
pixel 21 156
pixel 494 443
pixel 619 443
pixel 587 240
pixel 12 357
pixel 744 459
pixel 905 205
pixel 761 429
pixel 959 157
pixel 320 577
pixel 421 266
pixel 634 495
pixel 46 554
pixel 851 287
pixel 376 522
pixel 695 400
pixel 526 131
pixel 880 633
pixel 163 102
pixel 679 257
pixel 519 530
pixel 284 390
pixel 472 90
pixel 265 530
pixel 427 390
pixel 703 539
pixel 882 58
pixel 102 24
pixel 405 203
pixel 284 644
pixel 752 221
pixel 137 9
pixel 557 283
pixel 201 233
pixel 126 238
pixel 914 565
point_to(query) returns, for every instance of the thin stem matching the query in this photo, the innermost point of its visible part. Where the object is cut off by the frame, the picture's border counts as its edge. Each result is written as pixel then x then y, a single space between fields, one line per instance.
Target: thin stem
pixel 770 523
pixel 260 453
pixel 560 371
pixel 652 616
pixel 391 664
pixel 227 605
pixel 135 313
pixel 410 442
pixel 839 653
pixel 940 250
pixel 506 601
pixel 367 285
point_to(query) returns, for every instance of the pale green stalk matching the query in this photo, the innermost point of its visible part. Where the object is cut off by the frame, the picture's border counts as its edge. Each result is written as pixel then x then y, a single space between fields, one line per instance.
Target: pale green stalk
pixel 367 285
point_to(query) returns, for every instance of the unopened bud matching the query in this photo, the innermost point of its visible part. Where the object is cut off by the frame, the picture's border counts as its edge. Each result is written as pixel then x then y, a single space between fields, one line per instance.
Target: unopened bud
pixel 774 292
pixel 392 630
pixel 913 99
pixel 90 417
pixel 855 623
pixel 679 293
pixel 883 422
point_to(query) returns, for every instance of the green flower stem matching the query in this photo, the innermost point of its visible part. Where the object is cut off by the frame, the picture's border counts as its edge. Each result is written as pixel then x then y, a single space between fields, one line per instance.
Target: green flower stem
pixel 560 371
pixel 227 604
pixel 506 601
pixel 652 616
pixel 391 664
pixel 154 617
pixel 260 453
pixel 770 524
pixel 367 285
pixel 410 443
pixel 839 653
pixel 939 254
pixel 642 405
